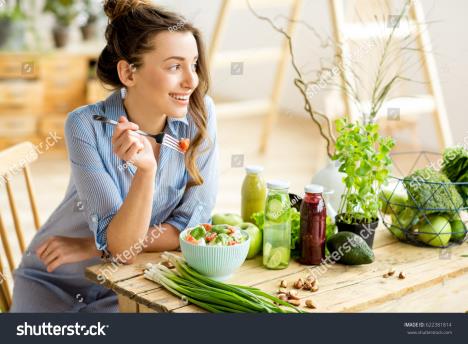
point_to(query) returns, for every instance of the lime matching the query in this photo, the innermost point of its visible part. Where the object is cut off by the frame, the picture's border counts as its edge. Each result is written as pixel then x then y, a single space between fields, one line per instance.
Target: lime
pixel 279 257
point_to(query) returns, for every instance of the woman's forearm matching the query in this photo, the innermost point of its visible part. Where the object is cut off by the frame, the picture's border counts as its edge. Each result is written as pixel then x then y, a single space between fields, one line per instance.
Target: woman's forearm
pixel 164 237
pixel 130 225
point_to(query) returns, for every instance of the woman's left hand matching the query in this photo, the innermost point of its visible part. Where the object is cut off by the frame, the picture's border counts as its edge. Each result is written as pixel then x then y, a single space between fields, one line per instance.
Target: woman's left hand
pixel 57 250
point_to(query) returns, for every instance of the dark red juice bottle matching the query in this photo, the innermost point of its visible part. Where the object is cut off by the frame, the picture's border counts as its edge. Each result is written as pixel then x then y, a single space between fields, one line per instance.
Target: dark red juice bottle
pixel 313 226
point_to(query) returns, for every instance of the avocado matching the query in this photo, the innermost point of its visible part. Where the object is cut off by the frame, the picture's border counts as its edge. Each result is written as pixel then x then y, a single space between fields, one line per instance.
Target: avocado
pixel 349 249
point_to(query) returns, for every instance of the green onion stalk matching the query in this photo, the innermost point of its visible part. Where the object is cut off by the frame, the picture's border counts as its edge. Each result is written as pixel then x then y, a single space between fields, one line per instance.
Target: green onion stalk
pixel 213 296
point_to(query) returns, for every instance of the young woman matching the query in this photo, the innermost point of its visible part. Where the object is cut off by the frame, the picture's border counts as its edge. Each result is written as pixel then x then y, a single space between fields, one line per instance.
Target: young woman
pixel 127 193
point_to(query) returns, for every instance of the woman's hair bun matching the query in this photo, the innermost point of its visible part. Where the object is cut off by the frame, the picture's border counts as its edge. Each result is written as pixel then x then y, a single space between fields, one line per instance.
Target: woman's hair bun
pixel 117 8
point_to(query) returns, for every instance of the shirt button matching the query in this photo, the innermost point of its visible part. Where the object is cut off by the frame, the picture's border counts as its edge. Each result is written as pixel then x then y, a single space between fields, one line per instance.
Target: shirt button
pixel 94 218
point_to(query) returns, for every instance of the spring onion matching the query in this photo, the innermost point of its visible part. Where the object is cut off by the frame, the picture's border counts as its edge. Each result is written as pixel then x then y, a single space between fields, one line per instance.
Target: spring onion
pixel 213 296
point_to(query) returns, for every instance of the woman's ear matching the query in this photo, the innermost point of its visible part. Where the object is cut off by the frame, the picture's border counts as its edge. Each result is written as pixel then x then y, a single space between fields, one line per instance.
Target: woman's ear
pixel 126 73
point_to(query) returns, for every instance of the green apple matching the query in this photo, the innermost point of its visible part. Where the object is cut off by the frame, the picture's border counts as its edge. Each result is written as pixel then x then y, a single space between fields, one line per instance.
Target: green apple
pixel 406 219
pixel 397 232
pixel 458 230
pixel 227 219
pixel 436 231
pixel 256 238
pixel 394 198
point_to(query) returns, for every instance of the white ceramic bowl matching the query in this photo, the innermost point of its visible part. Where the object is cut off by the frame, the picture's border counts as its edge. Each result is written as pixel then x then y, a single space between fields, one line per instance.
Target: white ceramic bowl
pixel 216 262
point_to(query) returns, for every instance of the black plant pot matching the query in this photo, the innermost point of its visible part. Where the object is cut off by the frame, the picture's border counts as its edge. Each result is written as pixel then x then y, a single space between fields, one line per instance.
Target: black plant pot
pixel 364 230
pixel 61 36
pixel 296 201
pixel 88 31
pixel 5 30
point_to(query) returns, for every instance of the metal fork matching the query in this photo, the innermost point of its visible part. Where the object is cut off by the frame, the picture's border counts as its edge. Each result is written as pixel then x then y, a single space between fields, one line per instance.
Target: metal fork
pixel 161 138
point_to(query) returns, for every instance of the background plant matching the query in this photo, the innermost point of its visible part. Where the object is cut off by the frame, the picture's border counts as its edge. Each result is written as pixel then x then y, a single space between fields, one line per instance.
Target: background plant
pixel 12 13
pixel 385 79
pixel 65 11
pixel 365 160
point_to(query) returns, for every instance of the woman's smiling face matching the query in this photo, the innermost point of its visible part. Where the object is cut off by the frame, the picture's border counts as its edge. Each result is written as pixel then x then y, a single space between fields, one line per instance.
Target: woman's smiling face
pixel 168 76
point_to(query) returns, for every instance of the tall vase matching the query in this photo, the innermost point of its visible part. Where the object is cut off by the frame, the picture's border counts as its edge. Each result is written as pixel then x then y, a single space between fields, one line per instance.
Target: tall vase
pixel 331 179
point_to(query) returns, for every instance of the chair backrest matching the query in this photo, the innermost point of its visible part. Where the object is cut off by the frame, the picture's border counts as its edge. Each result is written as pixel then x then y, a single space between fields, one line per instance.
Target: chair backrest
pixel 14 161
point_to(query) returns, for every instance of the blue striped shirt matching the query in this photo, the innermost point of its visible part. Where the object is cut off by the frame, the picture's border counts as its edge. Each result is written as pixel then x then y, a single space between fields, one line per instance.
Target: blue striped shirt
pixel 98 186
pixel 102 180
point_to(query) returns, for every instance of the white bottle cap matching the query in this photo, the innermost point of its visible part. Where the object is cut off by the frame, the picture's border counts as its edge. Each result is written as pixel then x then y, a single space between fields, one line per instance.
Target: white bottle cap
pixel 313 188
pixel 277 184
pixel 254 169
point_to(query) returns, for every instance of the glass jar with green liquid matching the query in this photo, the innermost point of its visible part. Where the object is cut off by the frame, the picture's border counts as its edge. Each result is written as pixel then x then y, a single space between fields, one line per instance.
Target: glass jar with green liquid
pixel 253 193
pixel 277 227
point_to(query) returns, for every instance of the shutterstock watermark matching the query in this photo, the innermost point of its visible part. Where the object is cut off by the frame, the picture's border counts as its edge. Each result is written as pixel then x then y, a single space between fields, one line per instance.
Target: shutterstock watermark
pixel 128 163
pixel 180 25
pixel 335 256
pixel 325 78
pixel 132 252
pixel 437 165
pixel 237 160
pixel 42 147
pixel 47 329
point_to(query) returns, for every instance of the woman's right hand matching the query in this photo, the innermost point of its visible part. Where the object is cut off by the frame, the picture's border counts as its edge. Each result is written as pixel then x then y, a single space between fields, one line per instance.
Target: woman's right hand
pixel 133 147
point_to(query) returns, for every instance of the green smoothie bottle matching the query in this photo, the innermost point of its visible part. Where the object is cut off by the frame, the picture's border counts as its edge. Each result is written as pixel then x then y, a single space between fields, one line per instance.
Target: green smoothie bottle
pixel 253 193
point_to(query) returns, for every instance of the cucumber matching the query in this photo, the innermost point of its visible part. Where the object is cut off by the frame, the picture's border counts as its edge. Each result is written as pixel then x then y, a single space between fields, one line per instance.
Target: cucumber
pixel 274 209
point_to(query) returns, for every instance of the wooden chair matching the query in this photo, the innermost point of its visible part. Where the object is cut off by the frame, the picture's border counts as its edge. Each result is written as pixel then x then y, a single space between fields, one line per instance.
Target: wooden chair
pixel 14 161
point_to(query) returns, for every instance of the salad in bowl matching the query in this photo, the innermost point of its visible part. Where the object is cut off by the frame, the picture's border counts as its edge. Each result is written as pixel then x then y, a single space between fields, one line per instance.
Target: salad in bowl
pixel 217 235
pixel 215 251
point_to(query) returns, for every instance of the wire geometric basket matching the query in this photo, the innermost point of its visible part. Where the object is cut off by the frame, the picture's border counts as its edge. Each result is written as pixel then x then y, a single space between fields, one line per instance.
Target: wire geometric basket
pixel 420 205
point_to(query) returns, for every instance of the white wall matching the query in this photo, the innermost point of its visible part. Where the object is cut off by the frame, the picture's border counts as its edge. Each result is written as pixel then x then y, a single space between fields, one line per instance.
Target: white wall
pixel 448 35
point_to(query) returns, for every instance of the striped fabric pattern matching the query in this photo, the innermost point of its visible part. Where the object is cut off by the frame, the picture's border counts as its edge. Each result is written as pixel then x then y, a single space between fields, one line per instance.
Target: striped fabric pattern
pixel 101 180
pixel 98 185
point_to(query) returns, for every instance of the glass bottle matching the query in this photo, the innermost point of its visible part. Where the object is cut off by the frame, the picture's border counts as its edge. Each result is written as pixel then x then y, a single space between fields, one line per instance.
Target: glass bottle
pixel 313 226
pixel 253 194
pixel 277 227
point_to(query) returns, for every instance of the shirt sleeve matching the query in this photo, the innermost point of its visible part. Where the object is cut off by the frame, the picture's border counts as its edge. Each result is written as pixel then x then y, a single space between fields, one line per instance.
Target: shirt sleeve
pixel 198 201
pixel 97 191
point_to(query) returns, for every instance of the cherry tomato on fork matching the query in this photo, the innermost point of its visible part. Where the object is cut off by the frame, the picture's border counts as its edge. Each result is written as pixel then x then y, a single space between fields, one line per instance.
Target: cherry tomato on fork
pixel 184 144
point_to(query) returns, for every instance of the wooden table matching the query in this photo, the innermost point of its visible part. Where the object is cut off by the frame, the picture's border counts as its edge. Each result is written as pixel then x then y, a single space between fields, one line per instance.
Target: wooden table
pixel 436 281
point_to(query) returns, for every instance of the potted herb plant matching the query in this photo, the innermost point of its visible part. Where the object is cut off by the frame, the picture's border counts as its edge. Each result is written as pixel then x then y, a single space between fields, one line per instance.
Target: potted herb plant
pixel 65 12
pixel 89 28
pixel 364 158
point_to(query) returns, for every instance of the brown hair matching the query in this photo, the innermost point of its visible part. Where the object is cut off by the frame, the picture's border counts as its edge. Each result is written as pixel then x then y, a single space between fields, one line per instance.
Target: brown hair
pixel 129 33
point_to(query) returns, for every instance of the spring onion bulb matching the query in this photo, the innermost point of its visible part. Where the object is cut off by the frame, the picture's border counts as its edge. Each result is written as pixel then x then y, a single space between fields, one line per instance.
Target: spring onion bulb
pixel 213 296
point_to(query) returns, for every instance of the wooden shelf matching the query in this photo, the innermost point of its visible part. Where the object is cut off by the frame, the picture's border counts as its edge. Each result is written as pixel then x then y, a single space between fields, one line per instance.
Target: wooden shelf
pixel 40 89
